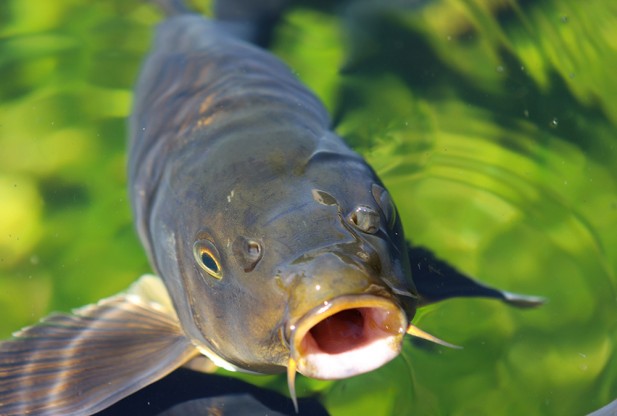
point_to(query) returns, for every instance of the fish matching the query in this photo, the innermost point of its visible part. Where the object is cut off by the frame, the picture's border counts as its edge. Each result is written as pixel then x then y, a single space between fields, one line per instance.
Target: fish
pixel 276 247
pixel 608 410
pixel 231 405
pixel 189 392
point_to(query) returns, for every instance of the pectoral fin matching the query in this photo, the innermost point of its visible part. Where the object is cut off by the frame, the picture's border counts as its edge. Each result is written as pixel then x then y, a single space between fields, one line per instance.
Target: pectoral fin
pixel 436 280
pixel 83 362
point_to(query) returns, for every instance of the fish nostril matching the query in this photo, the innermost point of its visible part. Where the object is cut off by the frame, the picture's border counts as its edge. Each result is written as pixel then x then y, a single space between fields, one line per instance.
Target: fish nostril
pixel 248 252
pixel 323 197
pixel 365 218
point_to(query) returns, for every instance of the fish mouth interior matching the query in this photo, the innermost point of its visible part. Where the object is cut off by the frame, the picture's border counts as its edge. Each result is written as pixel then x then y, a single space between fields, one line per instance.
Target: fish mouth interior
pixel 348 336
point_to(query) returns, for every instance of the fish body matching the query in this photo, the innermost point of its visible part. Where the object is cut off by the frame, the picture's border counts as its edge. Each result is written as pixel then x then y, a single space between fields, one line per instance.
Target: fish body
pixel 608 410
pixel 214 110
pixel 277 246
pixel 191 393
pixel 232 405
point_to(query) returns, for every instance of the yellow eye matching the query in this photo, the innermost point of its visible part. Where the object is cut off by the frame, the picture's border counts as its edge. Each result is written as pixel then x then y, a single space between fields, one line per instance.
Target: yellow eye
pixel 207 256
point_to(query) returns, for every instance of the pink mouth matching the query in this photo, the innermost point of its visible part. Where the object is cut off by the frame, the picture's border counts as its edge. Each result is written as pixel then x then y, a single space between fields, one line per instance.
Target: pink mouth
pixel 348 336
pixel 338 333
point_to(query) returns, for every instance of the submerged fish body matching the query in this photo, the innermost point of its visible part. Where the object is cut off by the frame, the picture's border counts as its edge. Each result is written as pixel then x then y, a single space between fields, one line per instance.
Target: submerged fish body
pixel 287 215
pixel 232 405
pixel 278 246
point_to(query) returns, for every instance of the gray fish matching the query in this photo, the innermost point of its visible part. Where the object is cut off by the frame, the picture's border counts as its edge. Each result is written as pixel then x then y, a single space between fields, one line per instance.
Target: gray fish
pixel 190 392
pixel 608 410
pixel 277 246
pixel 231 405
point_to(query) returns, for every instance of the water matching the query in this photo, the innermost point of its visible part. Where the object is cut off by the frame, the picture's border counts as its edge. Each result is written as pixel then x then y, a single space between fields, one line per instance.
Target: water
pixel 492 123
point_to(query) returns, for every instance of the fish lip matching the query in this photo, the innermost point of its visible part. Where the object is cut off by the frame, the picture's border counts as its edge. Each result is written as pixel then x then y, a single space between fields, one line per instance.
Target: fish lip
pixel 384 324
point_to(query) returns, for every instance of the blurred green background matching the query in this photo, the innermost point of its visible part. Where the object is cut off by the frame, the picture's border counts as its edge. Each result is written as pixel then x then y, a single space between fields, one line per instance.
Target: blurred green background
pixel 492 122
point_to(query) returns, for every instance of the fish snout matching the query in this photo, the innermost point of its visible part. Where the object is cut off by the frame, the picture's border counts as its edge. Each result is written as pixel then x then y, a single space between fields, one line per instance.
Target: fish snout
pixel 346 336
pixel 342 319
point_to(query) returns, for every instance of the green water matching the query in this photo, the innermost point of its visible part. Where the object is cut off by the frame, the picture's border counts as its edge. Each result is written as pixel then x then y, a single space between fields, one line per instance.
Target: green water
pixel 493 123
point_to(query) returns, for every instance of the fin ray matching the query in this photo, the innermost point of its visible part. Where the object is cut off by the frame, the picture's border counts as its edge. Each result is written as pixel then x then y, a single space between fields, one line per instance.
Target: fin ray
pixel 83 362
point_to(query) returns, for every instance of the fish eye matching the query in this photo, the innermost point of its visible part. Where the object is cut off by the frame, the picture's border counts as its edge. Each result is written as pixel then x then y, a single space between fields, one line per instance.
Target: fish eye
pixel 248 252
pixel 383 199
pixel 365 218
pixel 206 255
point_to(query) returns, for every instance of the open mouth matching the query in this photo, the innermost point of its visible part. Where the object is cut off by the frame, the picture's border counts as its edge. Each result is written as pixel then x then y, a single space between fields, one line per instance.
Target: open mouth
pixel 347 336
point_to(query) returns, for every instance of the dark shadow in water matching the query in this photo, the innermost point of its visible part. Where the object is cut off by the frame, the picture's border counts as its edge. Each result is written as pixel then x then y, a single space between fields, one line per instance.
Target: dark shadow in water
pixel 407 54
pixel 184 385
pixel 59 194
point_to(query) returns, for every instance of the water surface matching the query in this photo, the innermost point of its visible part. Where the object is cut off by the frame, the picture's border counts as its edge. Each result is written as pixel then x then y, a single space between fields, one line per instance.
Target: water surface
pixel 493 123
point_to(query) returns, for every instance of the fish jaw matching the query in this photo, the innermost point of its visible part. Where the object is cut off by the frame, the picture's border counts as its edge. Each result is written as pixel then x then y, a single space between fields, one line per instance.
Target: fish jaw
pixel 347 336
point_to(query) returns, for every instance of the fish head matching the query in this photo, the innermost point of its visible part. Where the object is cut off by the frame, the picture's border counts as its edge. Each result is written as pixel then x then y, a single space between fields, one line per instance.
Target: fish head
pixel 350 298
pixel 284 263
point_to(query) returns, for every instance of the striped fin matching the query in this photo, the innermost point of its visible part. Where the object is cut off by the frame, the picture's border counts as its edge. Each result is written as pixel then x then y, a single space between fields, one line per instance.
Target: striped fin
pixel 83 362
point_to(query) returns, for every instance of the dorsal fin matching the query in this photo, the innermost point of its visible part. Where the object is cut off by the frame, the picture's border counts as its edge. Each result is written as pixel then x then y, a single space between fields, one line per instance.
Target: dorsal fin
pixel 83 362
